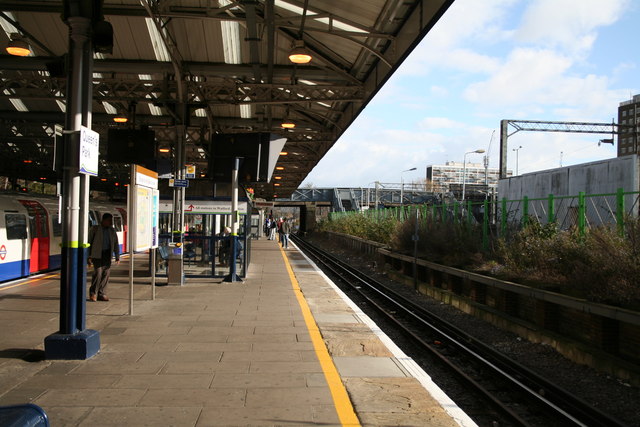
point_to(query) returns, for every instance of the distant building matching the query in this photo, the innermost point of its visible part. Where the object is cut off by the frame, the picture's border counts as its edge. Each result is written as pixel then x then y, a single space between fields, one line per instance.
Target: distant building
pixel 629 114
pixel 448 177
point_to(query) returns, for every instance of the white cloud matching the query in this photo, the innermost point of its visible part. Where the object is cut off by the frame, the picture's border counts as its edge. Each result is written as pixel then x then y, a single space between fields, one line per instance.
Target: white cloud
pixel 533 81
pixel 526 76
pixel 569 24
pixel 465 20
pixel 437 123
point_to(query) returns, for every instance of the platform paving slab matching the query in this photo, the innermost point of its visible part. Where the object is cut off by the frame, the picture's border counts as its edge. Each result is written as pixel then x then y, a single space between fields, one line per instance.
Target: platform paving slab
pixel 207 353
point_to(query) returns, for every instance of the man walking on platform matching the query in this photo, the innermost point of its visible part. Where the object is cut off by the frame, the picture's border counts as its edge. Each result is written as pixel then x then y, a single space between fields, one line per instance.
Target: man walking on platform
pixel 285 230
pixel 104 244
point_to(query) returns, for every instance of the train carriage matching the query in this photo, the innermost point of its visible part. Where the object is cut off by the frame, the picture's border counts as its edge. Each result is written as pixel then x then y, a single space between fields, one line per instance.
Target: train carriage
pixel 31 233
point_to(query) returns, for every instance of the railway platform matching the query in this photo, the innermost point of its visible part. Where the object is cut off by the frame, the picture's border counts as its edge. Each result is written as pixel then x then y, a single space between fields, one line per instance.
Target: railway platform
pixel 285 347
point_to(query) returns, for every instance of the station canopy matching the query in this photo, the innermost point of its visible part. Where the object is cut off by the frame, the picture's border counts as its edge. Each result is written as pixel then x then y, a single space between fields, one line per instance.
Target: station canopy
pixel 232 59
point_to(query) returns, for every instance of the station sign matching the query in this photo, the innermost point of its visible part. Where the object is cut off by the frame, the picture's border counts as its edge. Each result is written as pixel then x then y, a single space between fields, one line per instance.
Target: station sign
pixel 89 151
pixel 263 205
pixel 191 171
pixel 212 207
pixel 179 183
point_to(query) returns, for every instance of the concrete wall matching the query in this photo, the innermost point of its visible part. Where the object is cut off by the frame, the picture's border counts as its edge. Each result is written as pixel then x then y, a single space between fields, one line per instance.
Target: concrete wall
pixel 601 177
pixel 604 176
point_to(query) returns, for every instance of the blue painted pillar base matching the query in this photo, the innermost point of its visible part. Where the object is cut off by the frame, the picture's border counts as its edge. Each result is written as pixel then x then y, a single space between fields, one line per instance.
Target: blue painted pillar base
pixel 79 346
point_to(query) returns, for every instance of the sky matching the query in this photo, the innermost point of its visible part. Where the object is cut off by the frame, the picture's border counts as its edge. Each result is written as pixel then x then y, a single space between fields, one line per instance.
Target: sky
pixel 484 61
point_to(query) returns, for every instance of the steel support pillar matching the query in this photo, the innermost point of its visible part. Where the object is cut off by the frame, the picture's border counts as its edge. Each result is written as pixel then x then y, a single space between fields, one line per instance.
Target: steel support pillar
pixel 73 341
pixel 235 219
pixel 175 268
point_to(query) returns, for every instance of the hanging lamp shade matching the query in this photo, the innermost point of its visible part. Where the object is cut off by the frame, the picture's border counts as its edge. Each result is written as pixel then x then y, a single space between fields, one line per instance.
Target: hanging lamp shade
pixel 17 46
pixel 288 124
pixel 299 54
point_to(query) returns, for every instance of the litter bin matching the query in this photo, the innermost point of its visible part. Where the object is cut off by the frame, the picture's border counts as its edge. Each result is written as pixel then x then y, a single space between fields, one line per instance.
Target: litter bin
pixel 175 269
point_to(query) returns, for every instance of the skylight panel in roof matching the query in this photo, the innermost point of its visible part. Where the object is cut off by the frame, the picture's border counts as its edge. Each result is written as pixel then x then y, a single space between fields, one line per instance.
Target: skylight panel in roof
pixel 307 82
pixel 19 105
pixel 110 109
pixel 201 112
pixel 245 111
pixel 159 48
pixel 292 8
pixel 340 25
pixel 8 27
pixel 62 106
pixel 156 111
pixel 230 38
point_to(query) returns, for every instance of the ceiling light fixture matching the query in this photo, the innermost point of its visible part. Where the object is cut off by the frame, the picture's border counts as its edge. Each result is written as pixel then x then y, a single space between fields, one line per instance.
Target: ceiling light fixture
pixel 299 54
pixel 280 168
pixel 283 153
pixel 17 46
pixel 120 119
pixel 288 124
pixel 164 150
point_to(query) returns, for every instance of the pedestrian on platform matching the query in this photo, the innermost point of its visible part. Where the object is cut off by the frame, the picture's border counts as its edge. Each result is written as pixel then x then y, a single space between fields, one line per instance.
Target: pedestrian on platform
pixel 104 244
pixel 285 230
pixel 272 229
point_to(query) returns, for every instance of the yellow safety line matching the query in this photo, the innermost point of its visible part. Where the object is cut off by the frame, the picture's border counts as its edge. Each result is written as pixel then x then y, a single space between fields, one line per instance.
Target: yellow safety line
pixel 338 392
pixel 28 281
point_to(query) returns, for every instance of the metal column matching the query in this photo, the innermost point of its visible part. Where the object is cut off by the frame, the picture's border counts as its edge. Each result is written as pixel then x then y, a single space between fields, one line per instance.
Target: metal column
pixel 73 341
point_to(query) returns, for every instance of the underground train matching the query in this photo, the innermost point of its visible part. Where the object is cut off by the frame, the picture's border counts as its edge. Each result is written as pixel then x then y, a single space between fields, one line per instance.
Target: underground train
pixel 31 232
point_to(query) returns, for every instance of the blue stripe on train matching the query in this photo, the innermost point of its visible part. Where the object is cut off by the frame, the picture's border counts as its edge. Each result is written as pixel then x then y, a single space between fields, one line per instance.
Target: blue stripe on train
pixel 13 270
pixel 55 262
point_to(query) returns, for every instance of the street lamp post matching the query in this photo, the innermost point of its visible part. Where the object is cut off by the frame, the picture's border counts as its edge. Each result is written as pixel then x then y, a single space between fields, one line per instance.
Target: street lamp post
pixel 402 185
pixel 464 169
pixel 517 152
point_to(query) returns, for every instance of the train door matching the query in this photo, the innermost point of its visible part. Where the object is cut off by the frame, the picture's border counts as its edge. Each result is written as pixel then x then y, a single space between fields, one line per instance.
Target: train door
pixel 39 235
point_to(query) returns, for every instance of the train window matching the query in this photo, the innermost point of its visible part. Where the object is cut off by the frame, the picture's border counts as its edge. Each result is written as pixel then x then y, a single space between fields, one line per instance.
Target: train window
pixel 16 226
pixel 117 223
pixel 56 225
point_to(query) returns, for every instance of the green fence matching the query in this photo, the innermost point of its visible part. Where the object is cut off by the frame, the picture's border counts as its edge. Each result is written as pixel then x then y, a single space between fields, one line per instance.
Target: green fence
pixel 501 217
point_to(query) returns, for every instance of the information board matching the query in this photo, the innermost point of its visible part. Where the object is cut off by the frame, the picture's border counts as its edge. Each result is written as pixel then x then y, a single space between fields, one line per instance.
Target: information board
pixel 143 209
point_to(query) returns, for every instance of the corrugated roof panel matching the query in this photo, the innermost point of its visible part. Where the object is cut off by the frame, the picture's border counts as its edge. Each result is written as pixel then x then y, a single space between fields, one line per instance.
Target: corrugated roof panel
pixel 213 41
pixel 131 38
pixel 48 28
pixel 366 13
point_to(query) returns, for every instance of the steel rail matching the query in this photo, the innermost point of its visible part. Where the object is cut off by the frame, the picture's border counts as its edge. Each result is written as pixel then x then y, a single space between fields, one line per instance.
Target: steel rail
pixel 564 404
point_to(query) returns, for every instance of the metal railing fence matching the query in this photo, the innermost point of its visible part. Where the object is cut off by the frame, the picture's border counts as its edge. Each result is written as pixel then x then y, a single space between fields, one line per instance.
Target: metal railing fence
pixel 498 218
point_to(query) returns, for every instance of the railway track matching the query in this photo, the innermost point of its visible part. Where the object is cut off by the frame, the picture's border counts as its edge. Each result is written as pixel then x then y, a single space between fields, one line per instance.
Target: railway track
pixel 513 391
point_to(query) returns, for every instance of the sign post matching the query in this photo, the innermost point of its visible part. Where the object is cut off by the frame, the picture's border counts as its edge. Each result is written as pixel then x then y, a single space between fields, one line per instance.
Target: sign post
pixel 235 217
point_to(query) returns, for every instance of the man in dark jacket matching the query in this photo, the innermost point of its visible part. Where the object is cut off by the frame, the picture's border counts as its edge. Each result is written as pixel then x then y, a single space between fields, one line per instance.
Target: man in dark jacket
pixel 104 244
pixel 285 230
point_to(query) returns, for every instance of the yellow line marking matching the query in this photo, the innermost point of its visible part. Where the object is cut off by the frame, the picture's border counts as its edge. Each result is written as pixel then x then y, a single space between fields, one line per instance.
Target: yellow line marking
pixel 29 281
pixel 339 394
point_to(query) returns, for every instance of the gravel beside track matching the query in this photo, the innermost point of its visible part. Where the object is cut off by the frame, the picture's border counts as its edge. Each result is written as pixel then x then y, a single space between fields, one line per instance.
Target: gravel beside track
pixel 607 393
